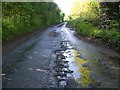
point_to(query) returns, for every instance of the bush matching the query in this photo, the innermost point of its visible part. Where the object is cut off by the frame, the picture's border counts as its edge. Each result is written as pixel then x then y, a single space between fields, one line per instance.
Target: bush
pixel 24 17
pixel 86 29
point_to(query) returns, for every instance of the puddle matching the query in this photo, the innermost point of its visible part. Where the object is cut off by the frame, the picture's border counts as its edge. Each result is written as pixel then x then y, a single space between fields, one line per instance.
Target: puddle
pixel 70 64
pixel 80 72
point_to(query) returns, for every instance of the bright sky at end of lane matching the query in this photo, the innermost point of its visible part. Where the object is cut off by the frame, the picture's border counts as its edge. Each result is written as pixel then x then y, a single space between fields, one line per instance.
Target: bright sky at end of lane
pixel 65 5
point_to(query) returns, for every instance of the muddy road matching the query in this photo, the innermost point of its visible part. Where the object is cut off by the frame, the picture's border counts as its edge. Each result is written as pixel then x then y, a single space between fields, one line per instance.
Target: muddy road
pixel 57 58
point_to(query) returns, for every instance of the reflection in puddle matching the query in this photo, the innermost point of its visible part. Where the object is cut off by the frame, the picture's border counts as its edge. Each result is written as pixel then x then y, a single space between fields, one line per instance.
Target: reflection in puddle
pixel 80 73
pixel 69 64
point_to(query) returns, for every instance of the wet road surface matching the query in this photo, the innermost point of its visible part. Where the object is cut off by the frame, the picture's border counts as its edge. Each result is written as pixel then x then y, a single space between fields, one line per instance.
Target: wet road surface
pixel 56 58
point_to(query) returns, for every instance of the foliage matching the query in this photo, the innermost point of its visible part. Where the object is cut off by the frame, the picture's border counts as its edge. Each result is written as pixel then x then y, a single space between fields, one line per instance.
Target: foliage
pixel 89 20
pixel 85 10
pixel 87 29
pixel 23 17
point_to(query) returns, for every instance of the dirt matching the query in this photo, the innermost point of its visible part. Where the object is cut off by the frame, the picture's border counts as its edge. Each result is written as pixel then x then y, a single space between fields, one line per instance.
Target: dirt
pixel 102 44
pixel 12 44
pixel 56 58
pixel 53 34
pixel 97 42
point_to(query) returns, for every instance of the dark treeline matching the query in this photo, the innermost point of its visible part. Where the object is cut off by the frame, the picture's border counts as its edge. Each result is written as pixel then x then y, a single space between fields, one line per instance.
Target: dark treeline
pixel 23 17
pixel 99 20
pixel 110 15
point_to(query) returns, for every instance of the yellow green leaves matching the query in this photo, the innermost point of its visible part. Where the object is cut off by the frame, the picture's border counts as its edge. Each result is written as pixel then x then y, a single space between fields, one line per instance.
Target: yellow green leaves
pixel 87 9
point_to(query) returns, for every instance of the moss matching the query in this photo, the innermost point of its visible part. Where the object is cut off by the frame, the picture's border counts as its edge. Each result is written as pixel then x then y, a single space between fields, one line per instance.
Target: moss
pixel 79 60
pixel 85 78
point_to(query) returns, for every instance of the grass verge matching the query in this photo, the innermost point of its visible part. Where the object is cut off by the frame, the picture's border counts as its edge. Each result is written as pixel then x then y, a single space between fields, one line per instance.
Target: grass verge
pixel 86 29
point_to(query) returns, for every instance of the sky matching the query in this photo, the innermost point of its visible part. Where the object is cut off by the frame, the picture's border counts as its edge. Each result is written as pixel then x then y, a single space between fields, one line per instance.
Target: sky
pixel 65 5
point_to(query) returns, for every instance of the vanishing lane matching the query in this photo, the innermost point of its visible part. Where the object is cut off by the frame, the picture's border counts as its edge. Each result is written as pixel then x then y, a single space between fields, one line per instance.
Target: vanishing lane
pixel 56 58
